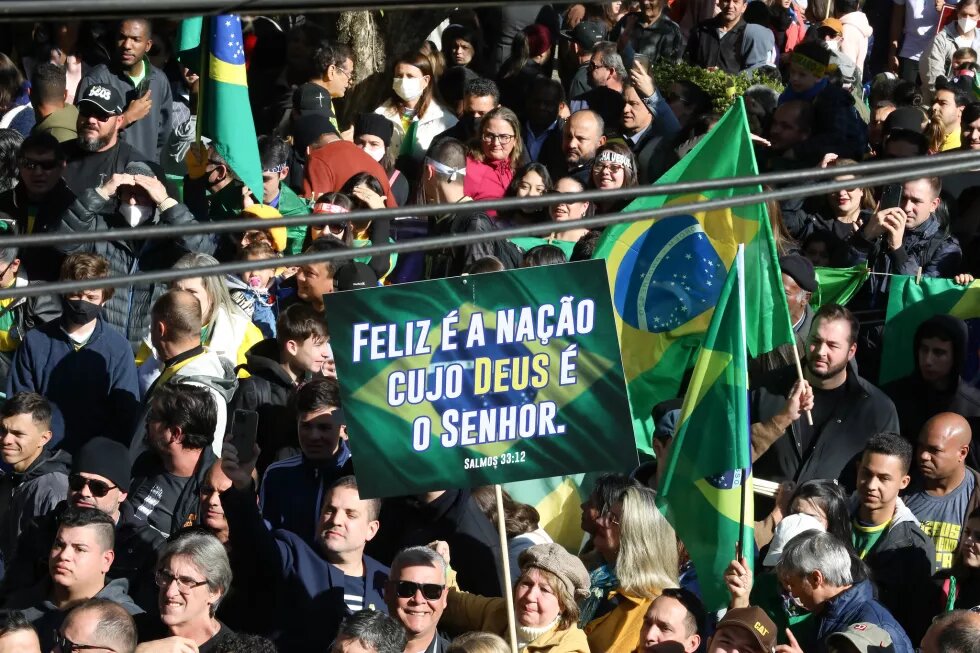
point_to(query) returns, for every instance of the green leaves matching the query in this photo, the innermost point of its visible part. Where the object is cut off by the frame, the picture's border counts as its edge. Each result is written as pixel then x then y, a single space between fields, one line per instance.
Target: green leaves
pixel 722 87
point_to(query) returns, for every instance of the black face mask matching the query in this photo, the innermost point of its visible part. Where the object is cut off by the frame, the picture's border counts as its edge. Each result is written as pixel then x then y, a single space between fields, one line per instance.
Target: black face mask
pixel 78 311
pixel 470 122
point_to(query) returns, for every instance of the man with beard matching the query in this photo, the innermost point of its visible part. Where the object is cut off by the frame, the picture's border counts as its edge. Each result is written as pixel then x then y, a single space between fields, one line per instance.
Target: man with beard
pixel 98 153
pixel 947 109
pixel 584 134
pixel 846 409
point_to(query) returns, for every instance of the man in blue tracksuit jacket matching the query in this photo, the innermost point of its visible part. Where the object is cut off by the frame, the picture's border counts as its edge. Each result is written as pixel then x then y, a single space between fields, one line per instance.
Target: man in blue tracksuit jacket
pixel 315 587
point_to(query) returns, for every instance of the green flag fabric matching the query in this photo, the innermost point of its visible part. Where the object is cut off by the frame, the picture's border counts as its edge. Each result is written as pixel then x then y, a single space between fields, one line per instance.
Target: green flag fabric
pixel 710 457
pixel 666 275
pixel 213 46
pixel 838 285
pixel 909 305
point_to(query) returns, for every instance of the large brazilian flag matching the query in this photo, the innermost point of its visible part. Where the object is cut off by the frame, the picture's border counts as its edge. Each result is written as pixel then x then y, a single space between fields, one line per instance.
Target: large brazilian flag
pixel 702 488
pixel 213 47
pixel 909 305
pixel 666 275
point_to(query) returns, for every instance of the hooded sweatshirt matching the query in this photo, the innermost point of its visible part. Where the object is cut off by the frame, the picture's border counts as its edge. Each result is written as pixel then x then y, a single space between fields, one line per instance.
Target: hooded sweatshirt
pixel 30 494
pixel 856 33
pixel 916 400
pixel 910 596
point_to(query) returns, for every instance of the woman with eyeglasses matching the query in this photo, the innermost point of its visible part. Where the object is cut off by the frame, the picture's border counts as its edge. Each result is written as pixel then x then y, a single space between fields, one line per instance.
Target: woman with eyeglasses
pixel 193 576
pixel 494 158
pixel 614 168
pixel 840 214
pixel 961 582
pixel 546 603
pixel 639 553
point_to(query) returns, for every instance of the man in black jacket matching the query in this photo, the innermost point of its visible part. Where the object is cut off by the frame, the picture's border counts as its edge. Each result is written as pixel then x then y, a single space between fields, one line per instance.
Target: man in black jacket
pixel 653 150
pixel 144 88
pixel 888 538
pixel 728 42
pixel 846 409
pixel 38 201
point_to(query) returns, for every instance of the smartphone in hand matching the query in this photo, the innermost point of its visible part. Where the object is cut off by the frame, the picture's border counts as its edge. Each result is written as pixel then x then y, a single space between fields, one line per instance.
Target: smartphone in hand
pixel 244 429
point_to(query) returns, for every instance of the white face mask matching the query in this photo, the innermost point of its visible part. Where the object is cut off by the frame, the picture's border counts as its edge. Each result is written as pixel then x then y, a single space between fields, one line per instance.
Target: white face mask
pixel 966 25
pixel 407 88
pixel 135 214
pixel 374 152
pixel 833 45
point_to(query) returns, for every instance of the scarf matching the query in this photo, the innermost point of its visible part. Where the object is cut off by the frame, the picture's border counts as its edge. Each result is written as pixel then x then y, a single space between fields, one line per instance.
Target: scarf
pixel 602 580
pixel 527 634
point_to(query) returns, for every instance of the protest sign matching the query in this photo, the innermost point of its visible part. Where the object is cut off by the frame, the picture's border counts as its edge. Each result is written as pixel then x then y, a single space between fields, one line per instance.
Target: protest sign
pixel 481 379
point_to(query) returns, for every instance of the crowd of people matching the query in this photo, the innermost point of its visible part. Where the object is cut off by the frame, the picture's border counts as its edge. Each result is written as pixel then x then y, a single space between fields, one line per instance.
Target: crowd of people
pixel 129 521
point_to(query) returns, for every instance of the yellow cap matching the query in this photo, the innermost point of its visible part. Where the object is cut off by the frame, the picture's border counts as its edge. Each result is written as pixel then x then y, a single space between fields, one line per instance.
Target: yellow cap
pixel 265 211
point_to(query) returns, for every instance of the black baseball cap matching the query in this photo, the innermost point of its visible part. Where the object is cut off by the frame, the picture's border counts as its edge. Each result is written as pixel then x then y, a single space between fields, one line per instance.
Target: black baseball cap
pixel 354 276
pixel 105 97
pixel 587 33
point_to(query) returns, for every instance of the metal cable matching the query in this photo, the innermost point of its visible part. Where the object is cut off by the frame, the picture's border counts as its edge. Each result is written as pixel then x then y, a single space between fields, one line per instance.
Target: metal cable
pixel 914 166
pixel 457 240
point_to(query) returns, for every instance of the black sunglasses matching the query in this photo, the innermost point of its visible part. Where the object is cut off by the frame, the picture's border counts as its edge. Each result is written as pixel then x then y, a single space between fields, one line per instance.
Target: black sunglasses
pixel 77 482
pixel 406 589
pixel 65 645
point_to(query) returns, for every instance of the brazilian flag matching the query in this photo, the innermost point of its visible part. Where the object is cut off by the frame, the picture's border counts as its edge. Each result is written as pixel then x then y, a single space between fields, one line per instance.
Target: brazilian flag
pixel 838 285
pixel 909 305
pixel 666 275
pixel 708 471
pixel 213 47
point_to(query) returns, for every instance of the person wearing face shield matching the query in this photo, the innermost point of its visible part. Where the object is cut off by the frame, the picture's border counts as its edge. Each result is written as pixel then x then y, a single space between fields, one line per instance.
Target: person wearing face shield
pixel 57 360
pixel 124 202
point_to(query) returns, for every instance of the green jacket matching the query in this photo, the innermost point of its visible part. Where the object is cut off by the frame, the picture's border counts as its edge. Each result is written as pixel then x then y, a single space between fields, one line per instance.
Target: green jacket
pixel 291 204
pixel 62 124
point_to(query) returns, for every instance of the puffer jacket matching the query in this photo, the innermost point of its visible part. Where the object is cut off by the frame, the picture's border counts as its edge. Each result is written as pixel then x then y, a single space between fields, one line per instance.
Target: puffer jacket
pixel 857 31
pixel 928 246
pixel 856 605
pixel 938 58
pixel 433 122
pixel 128 311
pixel 25 496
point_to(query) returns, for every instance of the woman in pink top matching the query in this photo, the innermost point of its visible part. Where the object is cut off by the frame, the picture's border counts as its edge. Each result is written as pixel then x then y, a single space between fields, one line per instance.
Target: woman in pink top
pixel 492 161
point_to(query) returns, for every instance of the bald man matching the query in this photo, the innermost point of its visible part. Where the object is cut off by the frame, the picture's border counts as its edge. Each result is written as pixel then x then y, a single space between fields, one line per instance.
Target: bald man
pixel 582 136
pixel 945 490
pixel 953 632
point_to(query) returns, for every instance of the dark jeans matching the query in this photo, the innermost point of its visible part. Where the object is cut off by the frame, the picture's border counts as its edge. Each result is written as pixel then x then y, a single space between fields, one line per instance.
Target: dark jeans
pixel 908 70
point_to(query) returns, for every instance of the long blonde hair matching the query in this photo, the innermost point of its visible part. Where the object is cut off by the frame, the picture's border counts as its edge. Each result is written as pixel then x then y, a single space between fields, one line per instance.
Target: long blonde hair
pixel 647 560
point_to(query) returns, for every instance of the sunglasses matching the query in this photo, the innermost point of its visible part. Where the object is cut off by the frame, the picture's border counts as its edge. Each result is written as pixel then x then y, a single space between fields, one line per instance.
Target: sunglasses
pixel 31 164
pixel 65 645
pixel 77 482
pixel 406 589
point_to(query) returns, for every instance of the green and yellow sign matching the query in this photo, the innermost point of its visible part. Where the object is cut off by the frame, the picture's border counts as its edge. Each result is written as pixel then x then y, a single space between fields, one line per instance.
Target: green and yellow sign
pixel 481 379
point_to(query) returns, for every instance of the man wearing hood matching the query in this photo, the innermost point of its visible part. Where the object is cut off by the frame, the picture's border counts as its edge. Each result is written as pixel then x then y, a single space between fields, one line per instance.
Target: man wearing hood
pixel 935 386
pixel 80 558
pixel 888 537
pixel 130 199
pixel 38 479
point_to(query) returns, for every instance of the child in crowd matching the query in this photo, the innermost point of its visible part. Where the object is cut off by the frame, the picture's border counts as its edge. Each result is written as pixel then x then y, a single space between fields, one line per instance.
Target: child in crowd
pixel 254 289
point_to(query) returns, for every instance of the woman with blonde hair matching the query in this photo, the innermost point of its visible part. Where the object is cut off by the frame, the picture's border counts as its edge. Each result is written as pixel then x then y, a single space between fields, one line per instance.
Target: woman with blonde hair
pixel 639 552
pixel 552 581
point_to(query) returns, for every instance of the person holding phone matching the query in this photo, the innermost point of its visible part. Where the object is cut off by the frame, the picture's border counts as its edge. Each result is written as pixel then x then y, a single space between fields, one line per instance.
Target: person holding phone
pixel 650 33
pixel 145 89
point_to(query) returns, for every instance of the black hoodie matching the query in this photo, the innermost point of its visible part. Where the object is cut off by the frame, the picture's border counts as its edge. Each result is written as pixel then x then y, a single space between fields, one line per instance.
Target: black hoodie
pixel 267 391
pixel 916 400
pixel 23 497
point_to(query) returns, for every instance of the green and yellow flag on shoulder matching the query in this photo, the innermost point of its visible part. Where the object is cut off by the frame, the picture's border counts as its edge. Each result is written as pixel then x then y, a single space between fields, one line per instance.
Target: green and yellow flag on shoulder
pixel 706 491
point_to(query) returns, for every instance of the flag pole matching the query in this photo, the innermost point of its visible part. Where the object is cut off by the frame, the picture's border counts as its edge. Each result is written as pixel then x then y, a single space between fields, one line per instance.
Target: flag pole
pixel 743 487
pixel 505 559
pixel 202 74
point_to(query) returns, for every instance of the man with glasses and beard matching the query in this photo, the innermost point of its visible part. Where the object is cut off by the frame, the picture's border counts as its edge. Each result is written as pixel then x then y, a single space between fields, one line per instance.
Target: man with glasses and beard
pixel 99 479
pixel 98 153
pixel 846 409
